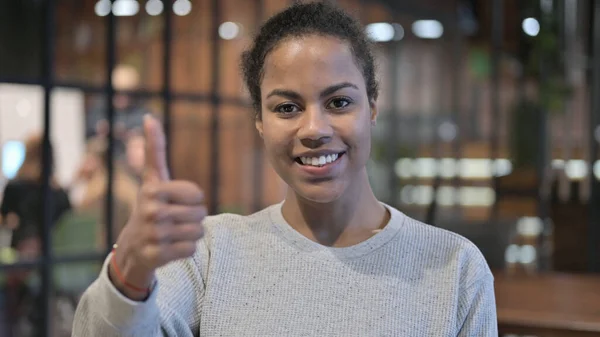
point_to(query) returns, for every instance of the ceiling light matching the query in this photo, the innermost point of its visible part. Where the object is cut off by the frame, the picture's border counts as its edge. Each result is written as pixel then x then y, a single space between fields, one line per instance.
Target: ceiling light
pixel 428 29
pixel 531 26
pixel 102 8
pixel 182 7
pixel 154 7
pixel 229 30
pixel 125 7
pixel 380 32
pixel 398 31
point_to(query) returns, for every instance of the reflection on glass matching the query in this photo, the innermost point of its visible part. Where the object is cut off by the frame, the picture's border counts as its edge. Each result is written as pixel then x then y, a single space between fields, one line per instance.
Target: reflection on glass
pixel 13 154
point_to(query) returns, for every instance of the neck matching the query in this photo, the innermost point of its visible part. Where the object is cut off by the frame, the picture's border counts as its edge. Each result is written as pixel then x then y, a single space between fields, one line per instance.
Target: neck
pixel 348 220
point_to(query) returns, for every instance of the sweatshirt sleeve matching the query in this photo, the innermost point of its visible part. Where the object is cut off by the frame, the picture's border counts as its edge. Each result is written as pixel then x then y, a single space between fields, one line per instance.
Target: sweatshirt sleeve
pixel 172 309
pixel 479 307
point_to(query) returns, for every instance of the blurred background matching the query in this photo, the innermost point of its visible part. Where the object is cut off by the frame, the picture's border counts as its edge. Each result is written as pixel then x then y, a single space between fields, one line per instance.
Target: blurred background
pixel 489 127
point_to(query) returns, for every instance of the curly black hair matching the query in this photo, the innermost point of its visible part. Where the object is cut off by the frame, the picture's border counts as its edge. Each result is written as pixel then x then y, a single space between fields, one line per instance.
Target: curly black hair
pixel 300 19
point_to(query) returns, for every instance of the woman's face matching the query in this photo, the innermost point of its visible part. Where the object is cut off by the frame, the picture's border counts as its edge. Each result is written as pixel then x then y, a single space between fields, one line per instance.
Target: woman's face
pixel 316 116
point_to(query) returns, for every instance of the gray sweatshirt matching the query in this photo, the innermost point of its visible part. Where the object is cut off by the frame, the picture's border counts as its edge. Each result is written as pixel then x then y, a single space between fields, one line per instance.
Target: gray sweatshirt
pixel 256 276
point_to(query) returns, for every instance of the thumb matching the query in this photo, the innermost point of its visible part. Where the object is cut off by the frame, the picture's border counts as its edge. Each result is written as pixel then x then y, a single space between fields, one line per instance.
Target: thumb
pixel 155 164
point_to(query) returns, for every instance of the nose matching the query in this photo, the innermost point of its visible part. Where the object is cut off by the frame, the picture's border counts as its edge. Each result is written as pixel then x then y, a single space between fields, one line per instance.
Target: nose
pixel 316 129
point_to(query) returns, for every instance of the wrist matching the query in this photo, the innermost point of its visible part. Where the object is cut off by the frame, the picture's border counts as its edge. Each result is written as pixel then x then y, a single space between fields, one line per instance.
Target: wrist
pixel 129 277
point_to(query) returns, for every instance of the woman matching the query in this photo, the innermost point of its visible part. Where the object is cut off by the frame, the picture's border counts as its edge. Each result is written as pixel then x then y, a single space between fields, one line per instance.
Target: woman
pixel 22 208
pixel 330 260
pixel 23 196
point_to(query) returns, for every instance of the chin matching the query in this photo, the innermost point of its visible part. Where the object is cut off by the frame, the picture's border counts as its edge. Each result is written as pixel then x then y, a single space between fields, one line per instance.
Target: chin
pixel 319 193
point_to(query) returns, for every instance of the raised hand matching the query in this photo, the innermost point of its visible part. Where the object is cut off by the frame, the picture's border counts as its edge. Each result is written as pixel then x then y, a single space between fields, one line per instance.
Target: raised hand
pixel 165 225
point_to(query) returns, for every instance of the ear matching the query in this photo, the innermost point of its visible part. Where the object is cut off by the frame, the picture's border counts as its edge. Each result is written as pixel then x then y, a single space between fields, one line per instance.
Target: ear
pixel 374 112
pixel 259 126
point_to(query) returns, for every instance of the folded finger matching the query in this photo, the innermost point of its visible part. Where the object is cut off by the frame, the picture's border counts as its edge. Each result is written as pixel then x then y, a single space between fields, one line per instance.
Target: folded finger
pixel 179 192
pixel 183 213
pixel 191 231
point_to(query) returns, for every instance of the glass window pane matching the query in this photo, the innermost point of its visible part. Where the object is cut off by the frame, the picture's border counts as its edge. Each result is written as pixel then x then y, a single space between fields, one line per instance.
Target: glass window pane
pixel 236 29
pixel 80 50
pixel 190 142
pixel 191 62
pixel 69 281
pixel 78 135
pixel 20 299
pixel 21 39
pixel 88 186
pixel 237 166
pixel 139 52
pixel 273 7
pixel 191 146
pixel 21 125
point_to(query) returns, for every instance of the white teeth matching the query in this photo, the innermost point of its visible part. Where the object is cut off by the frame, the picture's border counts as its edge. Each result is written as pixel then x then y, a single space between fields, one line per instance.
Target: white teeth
pixel 319 161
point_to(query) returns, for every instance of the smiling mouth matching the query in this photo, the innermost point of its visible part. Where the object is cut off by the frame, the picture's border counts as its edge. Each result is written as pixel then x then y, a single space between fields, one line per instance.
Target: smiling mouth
pixel 319 161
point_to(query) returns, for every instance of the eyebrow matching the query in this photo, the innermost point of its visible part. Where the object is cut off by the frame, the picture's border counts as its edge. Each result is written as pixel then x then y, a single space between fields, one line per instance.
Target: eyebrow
pixel 326 92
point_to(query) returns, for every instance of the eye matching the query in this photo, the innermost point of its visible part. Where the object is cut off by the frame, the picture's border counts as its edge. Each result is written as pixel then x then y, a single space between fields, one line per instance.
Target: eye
pixel 287 108
pixel 339 103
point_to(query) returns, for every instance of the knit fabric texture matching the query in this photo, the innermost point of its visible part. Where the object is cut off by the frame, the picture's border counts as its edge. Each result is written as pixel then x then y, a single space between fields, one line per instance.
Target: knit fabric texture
pixel 256 276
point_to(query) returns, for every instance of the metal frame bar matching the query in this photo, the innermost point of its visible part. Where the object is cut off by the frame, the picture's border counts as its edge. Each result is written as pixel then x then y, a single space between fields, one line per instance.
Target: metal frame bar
pixel 111 29
pixel 432 208
pixel 47 76
pixel 215 174
pixel 138 93
pixel 497 33
pixel 166 94
pixel 258 158
pixel 457 87
pixel 60 259
pixel 594 224
pixel 394 49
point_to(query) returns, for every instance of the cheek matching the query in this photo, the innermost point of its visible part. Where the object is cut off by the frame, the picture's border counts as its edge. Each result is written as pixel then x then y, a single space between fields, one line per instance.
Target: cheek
pixel 276 142
pixel 357 132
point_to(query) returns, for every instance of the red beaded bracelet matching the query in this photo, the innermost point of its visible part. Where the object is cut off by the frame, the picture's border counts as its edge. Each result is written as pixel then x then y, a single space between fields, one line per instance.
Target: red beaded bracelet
pixel 113 262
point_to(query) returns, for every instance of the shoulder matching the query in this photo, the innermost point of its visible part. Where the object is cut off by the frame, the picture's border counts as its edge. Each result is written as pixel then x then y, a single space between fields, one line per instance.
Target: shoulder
pixel 19 186
pixel 442 248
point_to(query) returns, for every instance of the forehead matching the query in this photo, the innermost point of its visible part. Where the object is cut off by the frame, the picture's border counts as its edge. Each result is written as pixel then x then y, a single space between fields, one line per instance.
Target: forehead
pixel 310 63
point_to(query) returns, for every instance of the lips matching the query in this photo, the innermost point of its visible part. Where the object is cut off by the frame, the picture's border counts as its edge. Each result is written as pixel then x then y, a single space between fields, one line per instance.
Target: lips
pixel 322 165
pixel 317 161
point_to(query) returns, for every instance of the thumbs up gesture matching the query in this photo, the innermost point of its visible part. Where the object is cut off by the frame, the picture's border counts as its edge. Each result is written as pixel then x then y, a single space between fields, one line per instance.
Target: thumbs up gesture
pixel 165 224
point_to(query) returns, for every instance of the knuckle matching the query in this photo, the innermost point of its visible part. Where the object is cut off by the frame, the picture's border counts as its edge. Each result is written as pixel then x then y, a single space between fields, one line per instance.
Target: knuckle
pixel 149 190
pixel 189 249
pixel 155 235
pixel 195 230
pixel 198 213
pixel 194 189
pixel 149 212
pixel 154 212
